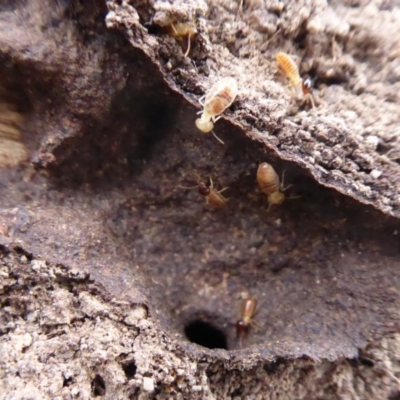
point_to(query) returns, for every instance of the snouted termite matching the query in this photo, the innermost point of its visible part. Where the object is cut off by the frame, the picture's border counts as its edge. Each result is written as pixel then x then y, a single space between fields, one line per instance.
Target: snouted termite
pixel 211 194
pixel 221 95
pixel 247 313
pixel 302 87
pixel 182 30
pixel 270 184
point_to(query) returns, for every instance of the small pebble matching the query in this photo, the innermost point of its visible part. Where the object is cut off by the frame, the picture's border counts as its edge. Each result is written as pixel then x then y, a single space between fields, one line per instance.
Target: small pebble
pixel 148 384
pixel 375 173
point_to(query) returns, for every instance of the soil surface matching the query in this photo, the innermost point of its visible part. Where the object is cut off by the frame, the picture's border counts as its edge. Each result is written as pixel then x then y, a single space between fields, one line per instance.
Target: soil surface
pixel 118 280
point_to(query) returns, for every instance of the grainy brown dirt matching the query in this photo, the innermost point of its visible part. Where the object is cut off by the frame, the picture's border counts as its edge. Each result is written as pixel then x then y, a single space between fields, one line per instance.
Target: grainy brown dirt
pixel 111 271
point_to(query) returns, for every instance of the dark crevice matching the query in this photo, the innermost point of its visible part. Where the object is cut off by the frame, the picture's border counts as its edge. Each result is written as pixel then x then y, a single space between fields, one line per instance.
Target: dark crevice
pixel 68 381
pixel 129 369
pixel 98 386
pixel 19 250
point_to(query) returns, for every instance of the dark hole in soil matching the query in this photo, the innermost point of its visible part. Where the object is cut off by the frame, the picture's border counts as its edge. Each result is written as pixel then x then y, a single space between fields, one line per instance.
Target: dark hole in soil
pixel 68 381
pixel 206 335
pixel 130 370
pixel 6 303
pixel 98 386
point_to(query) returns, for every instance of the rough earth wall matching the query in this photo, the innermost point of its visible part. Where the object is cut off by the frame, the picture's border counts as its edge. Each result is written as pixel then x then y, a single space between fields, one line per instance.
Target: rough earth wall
pixel 118 282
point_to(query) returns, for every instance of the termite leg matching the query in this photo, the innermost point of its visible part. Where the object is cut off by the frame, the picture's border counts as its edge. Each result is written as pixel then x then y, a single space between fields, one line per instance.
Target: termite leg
pixel 311 98
pixel 174 29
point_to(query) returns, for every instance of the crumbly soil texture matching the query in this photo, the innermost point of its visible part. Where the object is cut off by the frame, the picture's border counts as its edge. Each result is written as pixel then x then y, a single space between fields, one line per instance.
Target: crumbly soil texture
pixel 118 280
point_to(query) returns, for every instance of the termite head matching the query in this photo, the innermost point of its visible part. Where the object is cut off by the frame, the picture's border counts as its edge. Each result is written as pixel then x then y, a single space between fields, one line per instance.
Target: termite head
pixel 203 188
pixel 204 124
pixel 181 29
pixel 241 328
pixel 306 86
pixel 276 197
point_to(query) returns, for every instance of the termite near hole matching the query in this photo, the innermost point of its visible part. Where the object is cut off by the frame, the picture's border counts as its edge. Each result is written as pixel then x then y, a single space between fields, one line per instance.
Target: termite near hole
pixel 181 30
pixel 248 310
pixel 302 87
pixel 211 194
pixel 270 184
pixel 221 95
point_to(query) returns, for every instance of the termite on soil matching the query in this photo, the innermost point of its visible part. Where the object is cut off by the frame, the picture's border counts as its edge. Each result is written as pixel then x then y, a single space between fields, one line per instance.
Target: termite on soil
pixel 270 184
pixel 211 194
pixel 182 30
pixel 221 95
pixel 248 311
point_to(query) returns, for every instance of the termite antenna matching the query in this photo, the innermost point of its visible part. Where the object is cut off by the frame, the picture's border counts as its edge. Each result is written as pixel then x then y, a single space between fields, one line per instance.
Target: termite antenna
pixel 188 46
pixel 187 187
pixel 216 137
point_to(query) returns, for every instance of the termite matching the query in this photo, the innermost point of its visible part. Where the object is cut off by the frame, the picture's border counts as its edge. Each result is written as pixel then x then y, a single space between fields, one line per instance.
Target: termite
pixel 302 87
pixel 221 95
pixel 248 311
pixel 269 183
pixel 181 30
pixel 212 195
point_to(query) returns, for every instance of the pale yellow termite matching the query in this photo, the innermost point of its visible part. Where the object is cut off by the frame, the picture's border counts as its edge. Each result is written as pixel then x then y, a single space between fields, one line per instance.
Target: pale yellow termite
pixel 269 183
pixel 181 30
pixel 247 313
pixel 221 95
pixel 301 86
